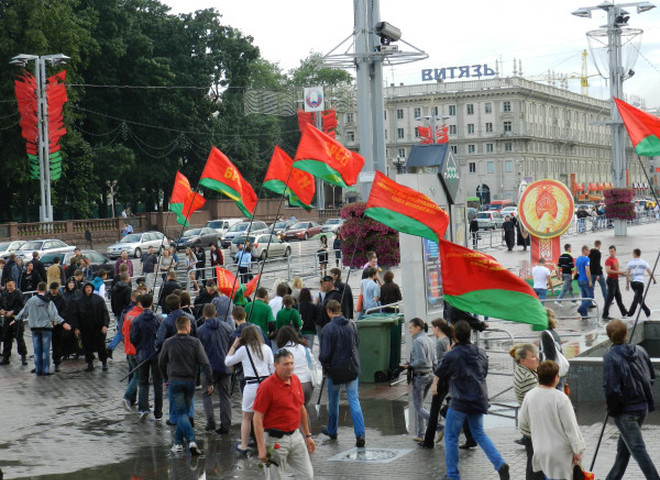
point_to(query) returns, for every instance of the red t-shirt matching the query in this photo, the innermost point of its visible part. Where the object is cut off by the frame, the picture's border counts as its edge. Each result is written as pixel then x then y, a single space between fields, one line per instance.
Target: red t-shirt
pixel 613 263
pixel 280 403
pixel 135 312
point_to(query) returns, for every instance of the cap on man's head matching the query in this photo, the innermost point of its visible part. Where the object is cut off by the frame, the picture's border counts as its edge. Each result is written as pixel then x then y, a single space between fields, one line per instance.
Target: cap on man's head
pixel 327 278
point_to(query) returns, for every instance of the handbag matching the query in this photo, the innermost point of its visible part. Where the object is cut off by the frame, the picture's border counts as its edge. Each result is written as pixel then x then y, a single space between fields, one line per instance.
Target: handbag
pixel 560 359
pixel 345 372
pixel 580 474
pixel 313 372
pixel 358 307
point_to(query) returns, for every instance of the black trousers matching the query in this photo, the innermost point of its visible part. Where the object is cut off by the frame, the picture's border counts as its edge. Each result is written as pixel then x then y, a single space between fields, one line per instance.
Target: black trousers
pixel 613 293
pixel 93 342
pixel 436 402
pixel 9 333
pixel 638 288
pixel 530 474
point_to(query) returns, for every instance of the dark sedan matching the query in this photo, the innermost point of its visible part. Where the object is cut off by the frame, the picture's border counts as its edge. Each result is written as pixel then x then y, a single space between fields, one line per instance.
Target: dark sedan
pixel 97 260
pixel 196 237
pixel 303 230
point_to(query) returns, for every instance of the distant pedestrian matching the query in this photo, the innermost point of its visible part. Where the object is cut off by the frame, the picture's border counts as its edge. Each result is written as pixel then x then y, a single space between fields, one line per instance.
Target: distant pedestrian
pixel 130 395
pixel 509 232
pixel 635 279
pixel 336 246
pixel 149 261
pixel 370 291
pixel 200 265
pixel 345 291
pixel 279 415
pixel 613 290
pixel 11 302
pixel 55 273
pixel 548 415
pixel 93 320
pixel 181 357
pixel 420 367
pixel 628 376
pixel 597 269
pixel 390 292
pixel 567 264
pixel 541 277
pixel 288 315
pixel 464 371
pixel 322 255
pixel 474 232
pixel 341 364
pixel 289 338
pixel 308 313
pixel 585 282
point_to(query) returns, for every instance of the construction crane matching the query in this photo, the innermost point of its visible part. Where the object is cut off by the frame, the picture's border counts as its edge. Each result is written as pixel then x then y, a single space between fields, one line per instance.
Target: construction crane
pixel 561 79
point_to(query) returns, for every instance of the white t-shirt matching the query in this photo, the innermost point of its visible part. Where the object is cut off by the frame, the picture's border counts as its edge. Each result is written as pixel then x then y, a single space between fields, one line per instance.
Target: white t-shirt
pixel 637 267
pixel 276 305
pixel 540 275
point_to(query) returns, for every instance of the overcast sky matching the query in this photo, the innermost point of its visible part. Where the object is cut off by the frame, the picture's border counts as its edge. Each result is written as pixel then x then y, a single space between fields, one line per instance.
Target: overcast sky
pixel 544 36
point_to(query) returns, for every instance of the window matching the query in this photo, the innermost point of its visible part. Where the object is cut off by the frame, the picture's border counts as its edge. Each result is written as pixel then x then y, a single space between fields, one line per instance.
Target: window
pixel 402 153
pixel 470 108
pixel 435 110
pixel 386 134
pixel 489 127
pixel 350 136
pixel 472 148
pixel 506 106
pixel 452 129
pixel 417 132
pixel 452 110
pixel 507 126
pixel 508 147
pixel 454 149
pixel 349 118
pixel 508 166
pixel 418 112
pixel 385 114
pixel 488 107
pixel 472 166
pixel 399 113
pixel 400 133
pixel 470 128
pixel 489 148
pixel 490 167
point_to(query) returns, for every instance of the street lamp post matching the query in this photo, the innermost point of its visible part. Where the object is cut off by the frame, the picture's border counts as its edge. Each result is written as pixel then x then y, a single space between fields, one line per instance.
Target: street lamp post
pixel 617 19
pixel 46 207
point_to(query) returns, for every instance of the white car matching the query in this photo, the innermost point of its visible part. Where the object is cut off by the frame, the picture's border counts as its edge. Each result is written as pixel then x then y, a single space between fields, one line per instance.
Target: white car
pixel 221 225
pixel 136 244
pixel 332 225
pixel 508 211
pixel 51 245
pixel 277 247
pixel 240 229
pixel 7 248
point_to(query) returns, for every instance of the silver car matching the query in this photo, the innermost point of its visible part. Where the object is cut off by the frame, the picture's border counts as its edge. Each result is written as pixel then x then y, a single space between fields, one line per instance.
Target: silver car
pixel 240 229
pixel 332 225
pixel 136 244
pixel 7 248
pixel 51 245
pixel 277 247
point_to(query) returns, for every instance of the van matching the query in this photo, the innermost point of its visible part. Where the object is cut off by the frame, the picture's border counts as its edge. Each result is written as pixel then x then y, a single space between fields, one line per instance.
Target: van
pixel 498 205
pixel 221 225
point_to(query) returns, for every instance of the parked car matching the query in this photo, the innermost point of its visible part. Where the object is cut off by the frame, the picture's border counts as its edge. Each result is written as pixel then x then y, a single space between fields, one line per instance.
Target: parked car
pixel 221 225
pixel 508 211
pixel 332 225
pixel 137 243
pixel 277 247
pixel 281 227
pixel 241 228
pixel 303 230
pixel 7 248
pixel 51 245
pixel 196 237
pixel 490 220
pixel 97 260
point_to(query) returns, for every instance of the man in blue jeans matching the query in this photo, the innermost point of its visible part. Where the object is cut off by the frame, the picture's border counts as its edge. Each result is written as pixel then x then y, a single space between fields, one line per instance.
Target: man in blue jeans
pixel 463 373
pixel 582 265
pixel 338 343
pixel 627 378
pixel 180 359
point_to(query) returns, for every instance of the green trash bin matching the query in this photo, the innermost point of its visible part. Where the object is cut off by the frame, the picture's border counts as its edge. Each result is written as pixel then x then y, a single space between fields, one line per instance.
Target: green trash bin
pixel 379 346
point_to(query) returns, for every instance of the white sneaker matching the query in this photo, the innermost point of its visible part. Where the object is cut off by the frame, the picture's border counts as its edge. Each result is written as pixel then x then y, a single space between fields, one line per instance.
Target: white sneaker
pixel 558 303
pixel 143 416
pixel 194 449
pixel 177 448
pixel 127 405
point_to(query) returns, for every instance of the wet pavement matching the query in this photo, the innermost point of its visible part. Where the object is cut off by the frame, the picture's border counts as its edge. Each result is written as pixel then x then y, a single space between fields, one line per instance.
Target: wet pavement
pixel 71 425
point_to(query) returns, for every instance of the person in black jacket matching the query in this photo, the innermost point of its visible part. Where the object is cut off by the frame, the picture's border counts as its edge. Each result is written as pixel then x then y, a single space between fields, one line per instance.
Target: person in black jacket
pixel 166 288
pixel 200 254
pixel 597 269
pixel 30 278
pixel 331 293
pixel 143 338
pixel 120 298
pixel 92 321
pixel 11 302
pixel 627 378
pixel 58 330
pixel 39 268
pixel 70 338
pixel 509 233
pixel 346 298
pixel 474 232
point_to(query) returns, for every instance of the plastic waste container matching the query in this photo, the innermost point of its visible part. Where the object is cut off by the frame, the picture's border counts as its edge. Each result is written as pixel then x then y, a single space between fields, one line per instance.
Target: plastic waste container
pixel 380 346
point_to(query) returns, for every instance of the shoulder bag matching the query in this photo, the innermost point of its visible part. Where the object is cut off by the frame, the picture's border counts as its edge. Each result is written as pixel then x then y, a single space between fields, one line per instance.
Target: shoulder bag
pixel 313 373
pixel 560 359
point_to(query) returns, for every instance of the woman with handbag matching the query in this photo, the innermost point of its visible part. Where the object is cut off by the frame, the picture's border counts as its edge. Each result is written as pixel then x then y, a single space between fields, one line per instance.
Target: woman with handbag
pixel 288 337
pixel 548 415
pixel 420 368
pixel 257 361
pixel 550 347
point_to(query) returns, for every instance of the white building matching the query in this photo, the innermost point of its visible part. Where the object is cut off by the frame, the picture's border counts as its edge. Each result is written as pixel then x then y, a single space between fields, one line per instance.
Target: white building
pixel 503 131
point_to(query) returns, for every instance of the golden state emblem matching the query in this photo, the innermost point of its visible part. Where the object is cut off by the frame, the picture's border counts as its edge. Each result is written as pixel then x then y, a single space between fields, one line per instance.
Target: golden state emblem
pixel 546 208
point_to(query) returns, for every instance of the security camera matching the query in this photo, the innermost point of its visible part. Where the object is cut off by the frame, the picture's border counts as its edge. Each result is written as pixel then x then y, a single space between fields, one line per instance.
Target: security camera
pixel 387 32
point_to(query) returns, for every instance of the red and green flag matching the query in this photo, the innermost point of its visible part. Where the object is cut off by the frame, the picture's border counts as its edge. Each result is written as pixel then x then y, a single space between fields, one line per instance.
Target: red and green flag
pixel 282 178
pixel 327 159
pixel 222 176
pixel 226 280
pixel 184 201
pixel 477 283
pixel 405 210
pixel 643 129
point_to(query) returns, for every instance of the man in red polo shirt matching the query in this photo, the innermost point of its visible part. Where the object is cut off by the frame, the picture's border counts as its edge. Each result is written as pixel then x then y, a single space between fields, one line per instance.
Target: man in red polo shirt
pixel 279 409
pixel 613 291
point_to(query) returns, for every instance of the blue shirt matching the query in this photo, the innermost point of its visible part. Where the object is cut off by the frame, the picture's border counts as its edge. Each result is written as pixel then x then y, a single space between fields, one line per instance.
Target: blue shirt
pixel 370 291
pixel 580 264
pixel 243 258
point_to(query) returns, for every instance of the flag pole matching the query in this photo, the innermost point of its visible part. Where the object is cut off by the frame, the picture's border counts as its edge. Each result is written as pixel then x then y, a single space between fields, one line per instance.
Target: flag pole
pixel 350 264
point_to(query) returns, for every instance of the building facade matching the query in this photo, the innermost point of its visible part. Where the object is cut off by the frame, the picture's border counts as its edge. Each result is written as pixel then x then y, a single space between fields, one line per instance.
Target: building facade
pixel 503 132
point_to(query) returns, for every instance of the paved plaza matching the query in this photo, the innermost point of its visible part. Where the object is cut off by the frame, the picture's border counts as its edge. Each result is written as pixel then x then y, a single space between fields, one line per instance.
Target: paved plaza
pixel 72 426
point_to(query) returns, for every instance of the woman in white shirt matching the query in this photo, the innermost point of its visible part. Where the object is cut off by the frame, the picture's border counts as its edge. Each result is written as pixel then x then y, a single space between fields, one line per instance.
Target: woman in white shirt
pixel 288 338
pixel 548 415
pixel 249 350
